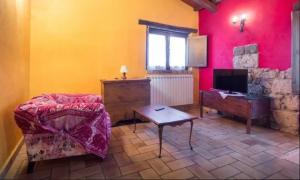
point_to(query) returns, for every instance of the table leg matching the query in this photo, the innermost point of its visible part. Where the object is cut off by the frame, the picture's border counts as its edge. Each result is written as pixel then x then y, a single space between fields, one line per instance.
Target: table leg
pixel 134 121
pixel 249 125
pixel 201 111
pixel 30 167
pixel 201 104
pixel 191 134
pixel 160 129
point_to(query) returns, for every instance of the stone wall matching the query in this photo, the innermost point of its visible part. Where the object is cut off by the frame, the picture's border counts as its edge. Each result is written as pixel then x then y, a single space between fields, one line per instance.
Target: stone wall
pixel 274 83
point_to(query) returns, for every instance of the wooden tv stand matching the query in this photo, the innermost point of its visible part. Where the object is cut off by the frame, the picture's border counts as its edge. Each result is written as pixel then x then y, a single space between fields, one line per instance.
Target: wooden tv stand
pixel 242 106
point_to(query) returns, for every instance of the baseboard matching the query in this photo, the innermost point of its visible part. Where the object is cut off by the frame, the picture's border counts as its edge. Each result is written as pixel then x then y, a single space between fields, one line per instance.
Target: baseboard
pixel 4 169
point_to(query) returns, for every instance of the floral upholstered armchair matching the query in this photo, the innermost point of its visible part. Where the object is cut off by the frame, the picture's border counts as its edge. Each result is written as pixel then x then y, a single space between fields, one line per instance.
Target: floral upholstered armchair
pixel 61 125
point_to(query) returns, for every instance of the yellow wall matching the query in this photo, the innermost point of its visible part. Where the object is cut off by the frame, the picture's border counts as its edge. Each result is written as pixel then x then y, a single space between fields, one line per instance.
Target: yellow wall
pixel 71 44
pixel 74 43
pixel 14 72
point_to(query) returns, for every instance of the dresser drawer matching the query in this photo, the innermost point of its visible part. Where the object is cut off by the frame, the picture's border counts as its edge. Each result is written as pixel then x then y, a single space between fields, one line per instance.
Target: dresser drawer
pixel 126 92
pixel 121 96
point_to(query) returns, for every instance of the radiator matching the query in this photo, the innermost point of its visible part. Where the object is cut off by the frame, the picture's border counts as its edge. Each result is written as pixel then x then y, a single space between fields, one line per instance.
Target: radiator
pixel 171 90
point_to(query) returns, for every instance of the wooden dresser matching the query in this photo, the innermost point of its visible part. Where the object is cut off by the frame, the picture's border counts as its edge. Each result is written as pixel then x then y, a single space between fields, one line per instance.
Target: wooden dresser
pixel 120 96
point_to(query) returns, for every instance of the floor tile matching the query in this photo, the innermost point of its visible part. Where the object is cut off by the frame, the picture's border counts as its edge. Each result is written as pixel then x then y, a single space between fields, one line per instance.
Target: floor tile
pixel 242 176
pixel 149 174
pixel 143 157
pixel 225 172
pixel 81 173
pixel 277 176
pixel 223 160
pixel 122 159
pixel 254 173
pixel 244 159
pixel 159 166
pixel 262 157
pixel 179 174
pixel 180 163
pixel 134 167
pixel 200 172
pixel 205 164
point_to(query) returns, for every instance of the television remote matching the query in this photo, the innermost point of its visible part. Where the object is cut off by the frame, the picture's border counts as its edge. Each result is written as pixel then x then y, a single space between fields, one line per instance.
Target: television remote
pixel 159 109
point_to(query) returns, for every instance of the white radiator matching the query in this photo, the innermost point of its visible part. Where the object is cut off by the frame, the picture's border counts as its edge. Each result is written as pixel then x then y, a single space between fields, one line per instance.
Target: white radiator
pixel 171 90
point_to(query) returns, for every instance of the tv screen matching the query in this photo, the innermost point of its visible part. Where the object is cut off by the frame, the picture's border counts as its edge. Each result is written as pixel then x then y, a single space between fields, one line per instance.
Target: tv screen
pixel 232 80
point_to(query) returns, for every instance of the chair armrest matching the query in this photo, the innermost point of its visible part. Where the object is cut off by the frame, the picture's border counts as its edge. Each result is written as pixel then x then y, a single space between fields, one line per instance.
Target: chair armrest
pixel 83 109
pixel 76 98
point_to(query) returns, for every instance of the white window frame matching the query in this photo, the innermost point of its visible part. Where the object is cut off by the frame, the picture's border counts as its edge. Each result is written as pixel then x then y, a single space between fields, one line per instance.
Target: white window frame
pixel 167 34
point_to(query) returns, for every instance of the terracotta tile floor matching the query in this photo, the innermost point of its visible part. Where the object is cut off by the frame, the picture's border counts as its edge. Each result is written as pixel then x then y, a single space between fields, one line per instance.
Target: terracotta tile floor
pixel 221 150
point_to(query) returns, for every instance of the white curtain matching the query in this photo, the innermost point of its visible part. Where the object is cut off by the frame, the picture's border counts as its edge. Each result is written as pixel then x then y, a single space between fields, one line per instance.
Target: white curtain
pixel 156 52
pixel 177 53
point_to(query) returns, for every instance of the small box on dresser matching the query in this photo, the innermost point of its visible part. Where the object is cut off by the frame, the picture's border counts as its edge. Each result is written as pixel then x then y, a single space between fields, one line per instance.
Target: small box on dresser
pixel 120 96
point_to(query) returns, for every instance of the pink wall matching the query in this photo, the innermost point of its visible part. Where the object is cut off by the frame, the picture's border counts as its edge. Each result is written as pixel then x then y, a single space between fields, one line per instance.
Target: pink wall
pixel 268 25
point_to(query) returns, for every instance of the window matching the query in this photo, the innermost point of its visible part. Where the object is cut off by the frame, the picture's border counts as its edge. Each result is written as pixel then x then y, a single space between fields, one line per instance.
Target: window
pixel 166 50
pixel 157 55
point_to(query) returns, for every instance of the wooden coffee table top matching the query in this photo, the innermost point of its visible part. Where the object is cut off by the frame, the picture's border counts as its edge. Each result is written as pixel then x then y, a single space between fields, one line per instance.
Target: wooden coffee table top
pixel 166 116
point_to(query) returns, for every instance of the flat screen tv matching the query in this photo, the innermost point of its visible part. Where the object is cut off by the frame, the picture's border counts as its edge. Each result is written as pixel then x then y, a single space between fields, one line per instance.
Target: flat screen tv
pixel 231 80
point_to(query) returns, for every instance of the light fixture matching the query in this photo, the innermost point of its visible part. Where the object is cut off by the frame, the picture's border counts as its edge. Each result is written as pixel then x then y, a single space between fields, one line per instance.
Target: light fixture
pixel 234 19
pixel 124 70
pixel 242 18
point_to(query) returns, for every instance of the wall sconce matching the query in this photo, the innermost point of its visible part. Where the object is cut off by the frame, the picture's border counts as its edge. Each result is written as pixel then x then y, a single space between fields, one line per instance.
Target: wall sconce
pixel 124 70
pixel 242 20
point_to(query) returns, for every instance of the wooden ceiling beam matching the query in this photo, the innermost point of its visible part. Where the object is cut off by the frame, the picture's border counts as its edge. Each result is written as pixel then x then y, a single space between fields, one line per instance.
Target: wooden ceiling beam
pixel 193 4
pixel 199 4
pixel 207 5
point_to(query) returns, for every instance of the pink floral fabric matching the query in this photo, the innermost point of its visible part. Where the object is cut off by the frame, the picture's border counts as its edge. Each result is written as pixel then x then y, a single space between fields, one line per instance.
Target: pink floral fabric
pixel 80 118
pixel 51 146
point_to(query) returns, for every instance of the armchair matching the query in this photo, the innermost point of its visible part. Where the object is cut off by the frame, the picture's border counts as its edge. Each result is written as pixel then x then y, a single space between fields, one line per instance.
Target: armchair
pixel 60 125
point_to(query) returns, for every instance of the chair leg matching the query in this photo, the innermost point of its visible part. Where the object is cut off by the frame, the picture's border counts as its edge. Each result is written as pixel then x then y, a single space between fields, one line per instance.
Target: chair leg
pixel 30 167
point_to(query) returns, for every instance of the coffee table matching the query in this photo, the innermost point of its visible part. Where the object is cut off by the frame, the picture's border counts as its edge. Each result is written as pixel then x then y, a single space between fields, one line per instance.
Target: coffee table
pixel 164 116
